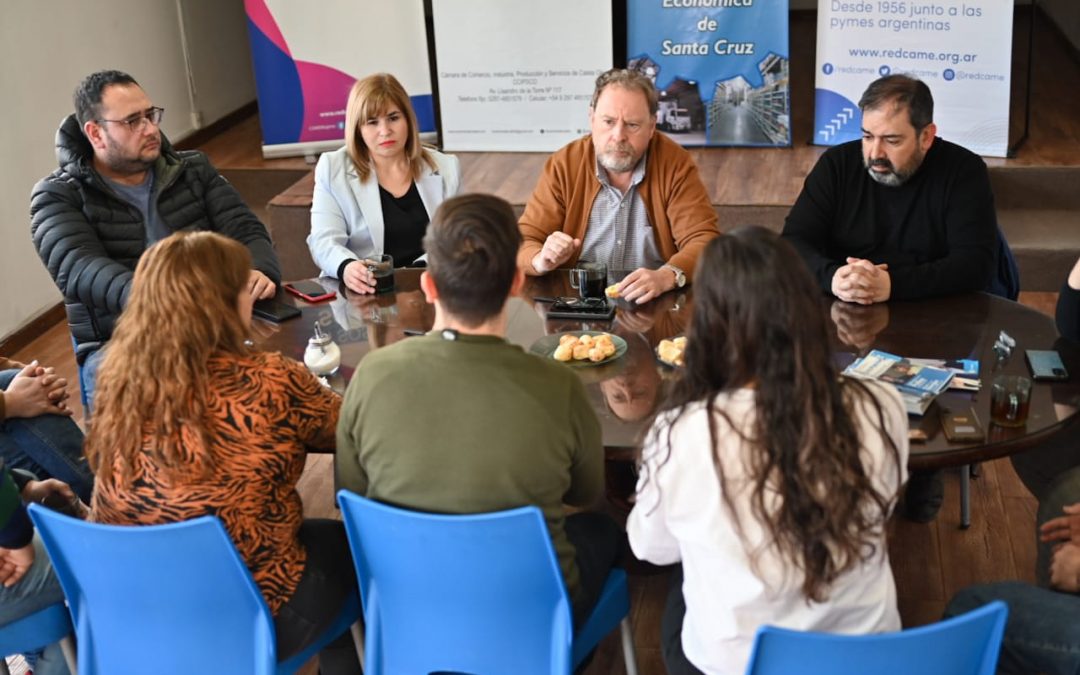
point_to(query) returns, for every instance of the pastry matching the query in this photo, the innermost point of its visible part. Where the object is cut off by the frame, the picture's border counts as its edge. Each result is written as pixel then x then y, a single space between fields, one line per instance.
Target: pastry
pixel 593 348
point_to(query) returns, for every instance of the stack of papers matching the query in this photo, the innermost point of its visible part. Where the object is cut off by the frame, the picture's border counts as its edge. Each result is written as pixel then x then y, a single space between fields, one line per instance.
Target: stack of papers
pixel 918 383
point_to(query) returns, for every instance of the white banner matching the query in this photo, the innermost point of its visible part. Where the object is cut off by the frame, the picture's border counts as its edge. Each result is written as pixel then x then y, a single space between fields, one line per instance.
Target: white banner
pixel 518 75
pixel 962 49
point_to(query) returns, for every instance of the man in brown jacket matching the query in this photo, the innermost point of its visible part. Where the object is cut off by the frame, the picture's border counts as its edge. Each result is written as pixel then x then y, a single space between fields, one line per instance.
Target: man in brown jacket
pixel 624 196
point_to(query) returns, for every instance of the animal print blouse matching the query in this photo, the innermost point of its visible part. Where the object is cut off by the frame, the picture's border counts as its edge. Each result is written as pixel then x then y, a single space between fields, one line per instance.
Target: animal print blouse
pixel 265 411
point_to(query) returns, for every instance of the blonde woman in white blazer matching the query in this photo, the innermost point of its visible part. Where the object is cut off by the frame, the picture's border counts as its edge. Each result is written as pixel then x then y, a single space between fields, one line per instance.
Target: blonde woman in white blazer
pixel 376 195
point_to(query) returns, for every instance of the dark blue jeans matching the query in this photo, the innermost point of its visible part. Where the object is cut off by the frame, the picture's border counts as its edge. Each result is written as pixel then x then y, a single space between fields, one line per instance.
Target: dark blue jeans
pixel 37 590
pixel 1043 631
pixel 597 540
pixel 49 446
pixel 671 623
pixel 88 378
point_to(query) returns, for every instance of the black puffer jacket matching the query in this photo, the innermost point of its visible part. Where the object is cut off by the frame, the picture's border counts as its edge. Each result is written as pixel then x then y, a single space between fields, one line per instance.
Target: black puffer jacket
pixel 90 239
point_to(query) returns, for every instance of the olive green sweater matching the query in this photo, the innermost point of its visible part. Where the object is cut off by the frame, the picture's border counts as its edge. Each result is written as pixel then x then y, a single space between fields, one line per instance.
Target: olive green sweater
pixel 471 425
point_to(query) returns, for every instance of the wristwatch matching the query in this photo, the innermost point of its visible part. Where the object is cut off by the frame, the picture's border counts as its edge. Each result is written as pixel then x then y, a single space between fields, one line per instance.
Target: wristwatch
pixel 680 277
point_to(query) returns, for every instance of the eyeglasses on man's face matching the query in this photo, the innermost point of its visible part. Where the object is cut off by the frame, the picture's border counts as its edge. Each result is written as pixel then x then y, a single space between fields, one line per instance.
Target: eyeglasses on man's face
pixel 137 122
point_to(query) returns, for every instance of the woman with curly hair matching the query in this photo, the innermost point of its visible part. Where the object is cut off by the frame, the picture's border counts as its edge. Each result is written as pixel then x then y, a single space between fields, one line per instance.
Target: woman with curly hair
pixel 190 421
pixel 766 475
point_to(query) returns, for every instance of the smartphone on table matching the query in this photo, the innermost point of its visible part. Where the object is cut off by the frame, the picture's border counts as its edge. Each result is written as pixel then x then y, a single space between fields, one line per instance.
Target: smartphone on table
pixel 274 311
pixel 962 426
pixel 1046 364
pixel 309 290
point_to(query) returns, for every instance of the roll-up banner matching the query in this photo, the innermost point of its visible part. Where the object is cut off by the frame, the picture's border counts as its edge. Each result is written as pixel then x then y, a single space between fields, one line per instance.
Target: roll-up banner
pixel 720 66
pixel 308 55
pixel 962 49
pixel 518 75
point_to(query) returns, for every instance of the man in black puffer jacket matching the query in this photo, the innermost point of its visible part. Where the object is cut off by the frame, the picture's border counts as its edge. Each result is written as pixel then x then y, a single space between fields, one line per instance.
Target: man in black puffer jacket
pixel 121 187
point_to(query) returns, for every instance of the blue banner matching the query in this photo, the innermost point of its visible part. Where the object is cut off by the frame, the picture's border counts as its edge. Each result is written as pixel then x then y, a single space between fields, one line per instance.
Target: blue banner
pixel 720 66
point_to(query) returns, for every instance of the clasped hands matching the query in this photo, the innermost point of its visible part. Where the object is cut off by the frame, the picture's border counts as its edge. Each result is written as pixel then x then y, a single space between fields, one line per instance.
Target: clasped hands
pixel 1064 532
pixel 36 390
pixel 640 286
pixel 862 281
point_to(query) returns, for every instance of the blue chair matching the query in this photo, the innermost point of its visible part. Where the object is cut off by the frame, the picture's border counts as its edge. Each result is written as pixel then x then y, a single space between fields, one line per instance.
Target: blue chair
pixel 40 629
pixel 470 593
pixel 964 645
pixel 166 599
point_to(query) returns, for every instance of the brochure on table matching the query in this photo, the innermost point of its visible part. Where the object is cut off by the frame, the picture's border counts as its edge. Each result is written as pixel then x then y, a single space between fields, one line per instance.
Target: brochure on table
pixel 918 384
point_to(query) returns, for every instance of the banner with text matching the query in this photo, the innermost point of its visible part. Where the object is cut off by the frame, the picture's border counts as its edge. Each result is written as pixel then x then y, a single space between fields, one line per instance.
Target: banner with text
pixel 720 67
pixel 518 75
pixel 307 57
pixel 962 49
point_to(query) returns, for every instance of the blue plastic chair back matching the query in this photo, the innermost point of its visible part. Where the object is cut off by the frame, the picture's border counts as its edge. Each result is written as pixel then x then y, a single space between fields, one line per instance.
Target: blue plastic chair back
pixel 164 599
pixel 964 645
pixel 473 594
pixel 38 630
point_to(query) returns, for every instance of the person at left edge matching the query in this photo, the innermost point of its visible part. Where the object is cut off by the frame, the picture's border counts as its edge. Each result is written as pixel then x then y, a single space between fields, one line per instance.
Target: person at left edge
pixel 120 187
pixel 376 194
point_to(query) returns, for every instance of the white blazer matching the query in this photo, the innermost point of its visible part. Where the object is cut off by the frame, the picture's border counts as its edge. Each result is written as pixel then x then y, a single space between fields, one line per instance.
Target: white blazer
pixel 346 215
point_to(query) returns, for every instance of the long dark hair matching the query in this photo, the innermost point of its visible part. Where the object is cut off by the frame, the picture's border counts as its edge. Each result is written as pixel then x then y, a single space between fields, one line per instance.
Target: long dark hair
pixel 759 321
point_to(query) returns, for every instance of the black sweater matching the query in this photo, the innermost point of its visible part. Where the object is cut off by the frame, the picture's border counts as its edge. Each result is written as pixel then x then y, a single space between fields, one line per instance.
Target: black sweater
pixel 937 231
pixel 1068 312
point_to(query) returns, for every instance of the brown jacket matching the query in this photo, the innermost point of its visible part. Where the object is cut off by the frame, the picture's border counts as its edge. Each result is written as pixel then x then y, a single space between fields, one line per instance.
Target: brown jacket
pixel 675 199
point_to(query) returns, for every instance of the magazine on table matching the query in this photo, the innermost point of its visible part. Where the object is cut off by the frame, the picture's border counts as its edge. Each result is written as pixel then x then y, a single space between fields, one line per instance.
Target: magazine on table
pixel 919 384
pixel 965 372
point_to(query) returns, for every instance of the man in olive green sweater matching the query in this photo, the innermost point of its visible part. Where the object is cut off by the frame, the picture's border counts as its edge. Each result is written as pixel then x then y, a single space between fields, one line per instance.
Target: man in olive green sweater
pixel 461 421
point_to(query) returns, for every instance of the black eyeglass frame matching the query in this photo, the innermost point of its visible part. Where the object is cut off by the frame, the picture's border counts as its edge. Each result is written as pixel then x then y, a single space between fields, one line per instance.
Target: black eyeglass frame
pixel 153 115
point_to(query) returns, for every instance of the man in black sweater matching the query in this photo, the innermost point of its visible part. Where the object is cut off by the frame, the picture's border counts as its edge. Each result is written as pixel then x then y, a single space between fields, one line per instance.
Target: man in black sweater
pixel 901 214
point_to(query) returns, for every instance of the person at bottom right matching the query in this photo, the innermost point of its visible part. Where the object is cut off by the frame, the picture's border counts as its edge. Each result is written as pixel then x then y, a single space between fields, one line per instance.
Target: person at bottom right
pixel 1043 632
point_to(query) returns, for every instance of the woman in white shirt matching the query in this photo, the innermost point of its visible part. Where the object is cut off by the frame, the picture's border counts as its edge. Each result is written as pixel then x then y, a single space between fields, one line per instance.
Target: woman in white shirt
pixel 376 195
pixel 766 475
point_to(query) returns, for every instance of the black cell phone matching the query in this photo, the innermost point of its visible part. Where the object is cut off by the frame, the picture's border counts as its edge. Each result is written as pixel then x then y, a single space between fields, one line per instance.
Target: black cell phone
pixel 1046 364
pixel 309 290
pixel 275 311
pixel 586 310
pixel 962 426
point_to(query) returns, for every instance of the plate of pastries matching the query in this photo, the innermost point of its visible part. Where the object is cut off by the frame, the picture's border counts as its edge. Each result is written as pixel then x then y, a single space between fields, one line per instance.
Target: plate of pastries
pixel 581 347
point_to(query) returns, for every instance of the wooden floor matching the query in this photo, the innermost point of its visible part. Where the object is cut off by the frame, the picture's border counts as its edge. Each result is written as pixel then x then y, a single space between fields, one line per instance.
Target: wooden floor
pixel 930 561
